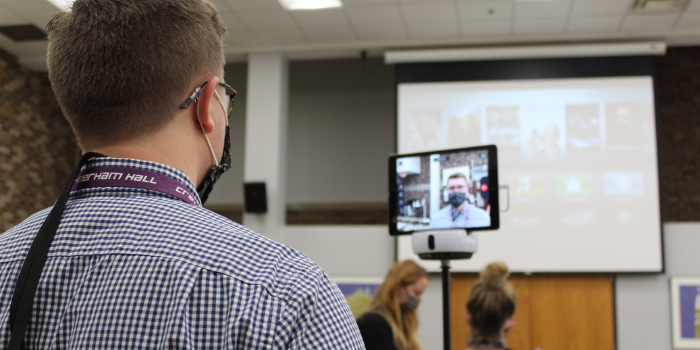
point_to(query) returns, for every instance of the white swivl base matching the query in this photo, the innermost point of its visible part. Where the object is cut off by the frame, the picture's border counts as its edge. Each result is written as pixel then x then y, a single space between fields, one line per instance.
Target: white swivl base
pixel 445 244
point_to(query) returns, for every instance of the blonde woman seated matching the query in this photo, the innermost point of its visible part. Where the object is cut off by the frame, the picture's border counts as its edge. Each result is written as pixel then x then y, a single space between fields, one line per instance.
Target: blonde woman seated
pixel 391 322
pixel 490 308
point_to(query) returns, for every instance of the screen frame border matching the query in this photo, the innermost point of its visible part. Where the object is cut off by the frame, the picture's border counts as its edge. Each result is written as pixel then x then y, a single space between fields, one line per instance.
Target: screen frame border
pixel 493 187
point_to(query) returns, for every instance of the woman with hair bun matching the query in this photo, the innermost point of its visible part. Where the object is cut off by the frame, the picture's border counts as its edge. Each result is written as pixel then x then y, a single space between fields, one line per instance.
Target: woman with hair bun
pixel 490 308
pixel 391 322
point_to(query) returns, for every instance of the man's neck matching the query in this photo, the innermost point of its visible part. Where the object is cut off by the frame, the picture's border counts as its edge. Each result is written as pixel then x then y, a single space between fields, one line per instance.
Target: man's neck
pixel 461 207
pixel 164 148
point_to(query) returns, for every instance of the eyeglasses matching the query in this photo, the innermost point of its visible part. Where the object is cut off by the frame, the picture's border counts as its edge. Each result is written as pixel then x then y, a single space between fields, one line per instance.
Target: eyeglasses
pixel 230 92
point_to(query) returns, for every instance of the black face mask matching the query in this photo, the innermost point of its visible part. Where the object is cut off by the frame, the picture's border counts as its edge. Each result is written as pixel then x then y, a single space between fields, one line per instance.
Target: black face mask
pixel 410 305
pixel 457 198
pixel 216 171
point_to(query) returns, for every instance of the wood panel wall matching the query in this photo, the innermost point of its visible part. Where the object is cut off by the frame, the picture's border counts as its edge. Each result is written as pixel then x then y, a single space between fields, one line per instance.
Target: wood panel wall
pixel 555 312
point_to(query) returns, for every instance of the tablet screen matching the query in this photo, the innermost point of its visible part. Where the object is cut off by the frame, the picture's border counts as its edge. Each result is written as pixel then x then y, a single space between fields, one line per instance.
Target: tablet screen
pixel 446 189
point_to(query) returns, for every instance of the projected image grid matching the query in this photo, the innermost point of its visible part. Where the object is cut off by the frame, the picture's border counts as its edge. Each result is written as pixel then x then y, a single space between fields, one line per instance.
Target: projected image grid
pixel 579 156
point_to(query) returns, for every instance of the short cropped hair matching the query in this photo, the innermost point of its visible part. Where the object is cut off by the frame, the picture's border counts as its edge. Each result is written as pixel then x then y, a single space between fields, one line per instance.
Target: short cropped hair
pixel 121 68
pixel 457 176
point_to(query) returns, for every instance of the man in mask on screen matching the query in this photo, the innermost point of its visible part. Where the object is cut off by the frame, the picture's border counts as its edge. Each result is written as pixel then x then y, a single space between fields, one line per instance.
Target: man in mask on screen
pixel 134 260
pixel 461 212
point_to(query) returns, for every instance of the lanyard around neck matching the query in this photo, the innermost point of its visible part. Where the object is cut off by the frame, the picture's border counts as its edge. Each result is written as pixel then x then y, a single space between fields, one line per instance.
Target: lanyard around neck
pixel 112 176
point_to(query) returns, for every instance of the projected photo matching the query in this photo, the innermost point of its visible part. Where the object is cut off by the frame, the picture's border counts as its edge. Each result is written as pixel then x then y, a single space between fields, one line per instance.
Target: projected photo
pixel 526 185
pixel 503 127
pixel 443 190
pixel 628 125
pixel 463 126
pixel 583 129
pixel 542 129
pixel 425 129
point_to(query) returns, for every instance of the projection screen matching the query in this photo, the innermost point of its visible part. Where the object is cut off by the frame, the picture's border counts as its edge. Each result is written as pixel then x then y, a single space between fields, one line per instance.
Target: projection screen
pixel 579 156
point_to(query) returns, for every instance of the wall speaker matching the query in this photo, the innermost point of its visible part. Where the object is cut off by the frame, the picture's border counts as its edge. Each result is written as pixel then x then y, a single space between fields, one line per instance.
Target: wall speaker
pixel 255 197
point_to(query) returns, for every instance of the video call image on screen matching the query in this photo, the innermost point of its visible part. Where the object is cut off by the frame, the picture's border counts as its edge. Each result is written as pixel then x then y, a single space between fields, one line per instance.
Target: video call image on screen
pixel 443 190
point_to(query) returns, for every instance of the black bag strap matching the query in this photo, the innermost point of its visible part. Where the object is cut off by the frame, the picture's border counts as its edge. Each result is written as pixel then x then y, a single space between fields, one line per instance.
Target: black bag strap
pixel 28 281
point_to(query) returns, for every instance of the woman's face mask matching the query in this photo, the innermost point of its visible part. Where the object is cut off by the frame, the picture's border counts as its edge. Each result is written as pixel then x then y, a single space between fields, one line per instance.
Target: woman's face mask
pixel 410 305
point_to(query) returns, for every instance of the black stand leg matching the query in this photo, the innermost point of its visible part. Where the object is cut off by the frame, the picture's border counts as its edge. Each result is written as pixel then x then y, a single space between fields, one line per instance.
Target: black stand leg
pixel 447 340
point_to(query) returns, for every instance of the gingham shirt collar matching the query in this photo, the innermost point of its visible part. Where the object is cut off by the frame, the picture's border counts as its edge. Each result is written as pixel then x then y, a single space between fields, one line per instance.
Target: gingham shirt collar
pixel 159 168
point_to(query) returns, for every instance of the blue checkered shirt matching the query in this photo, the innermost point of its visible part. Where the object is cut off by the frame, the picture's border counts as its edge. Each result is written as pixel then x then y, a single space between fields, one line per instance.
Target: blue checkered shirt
pixel 140 269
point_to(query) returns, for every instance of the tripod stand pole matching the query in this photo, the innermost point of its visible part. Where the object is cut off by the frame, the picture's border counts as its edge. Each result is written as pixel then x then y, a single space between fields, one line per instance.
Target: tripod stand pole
pixel 447 341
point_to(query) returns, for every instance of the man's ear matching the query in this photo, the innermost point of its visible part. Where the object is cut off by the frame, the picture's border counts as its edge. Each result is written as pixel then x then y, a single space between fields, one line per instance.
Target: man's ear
pixel 468 317
pixel 202 105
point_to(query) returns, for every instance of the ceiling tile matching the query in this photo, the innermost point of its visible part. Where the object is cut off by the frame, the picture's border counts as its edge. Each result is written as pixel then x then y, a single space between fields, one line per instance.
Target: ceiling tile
pixel 281 37
pixel 221 5
pixel 694 6
pixel 374 15
pixel 689 21
pixel 254 5
pixel 421 13
pixel 9 18
pixel 329 34
pixel 320 18
pixel 39 14
pixel 594 25
pixel 542 26
pixel 644 23
pixel 267 20
pixel 238 39
pixel 486 29
pixel 485 10
pixel 381 32
pixel 432 30
pixel 542 9
pixel 351 3
pixel 583 8
pixel 233 24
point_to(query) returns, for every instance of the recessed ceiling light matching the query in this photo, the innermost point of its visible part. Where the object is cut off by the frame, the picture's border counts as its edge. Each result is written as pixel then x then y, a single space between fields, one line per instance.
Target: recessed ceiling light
pixel 63 5
pixel 309 4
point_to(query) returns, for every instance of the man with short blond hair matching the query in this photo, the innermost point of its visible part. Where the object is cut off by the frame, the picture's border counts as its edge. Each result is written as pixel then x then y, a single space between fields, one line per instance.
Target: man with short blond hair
pixel 461 211
pixel 131 259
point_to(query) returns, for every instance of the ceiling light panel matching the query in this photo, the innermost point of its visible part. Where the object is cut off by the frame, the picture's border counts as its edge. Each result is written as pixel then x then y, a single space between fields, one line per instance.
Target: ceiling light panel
pixel 63 5
pixel 293 5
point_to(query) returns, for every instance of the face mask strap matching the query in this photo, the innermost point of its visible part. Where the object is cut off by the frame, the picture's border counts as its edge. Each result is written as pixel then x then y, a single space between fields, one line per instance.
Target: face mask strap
pixel 199 119
pixel 222 105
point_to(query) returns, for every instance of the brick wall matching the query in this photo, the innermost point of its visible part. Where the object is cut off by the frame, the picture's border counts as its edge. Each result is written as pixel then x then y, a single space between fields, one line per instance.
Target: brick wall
pixel 37 148
pixel 678 122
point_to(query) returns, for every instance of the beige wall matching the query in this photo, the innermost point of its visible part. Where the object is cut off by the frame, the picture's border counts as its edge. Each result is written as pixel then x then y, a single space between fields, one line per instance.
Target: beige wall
pixel 341 131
